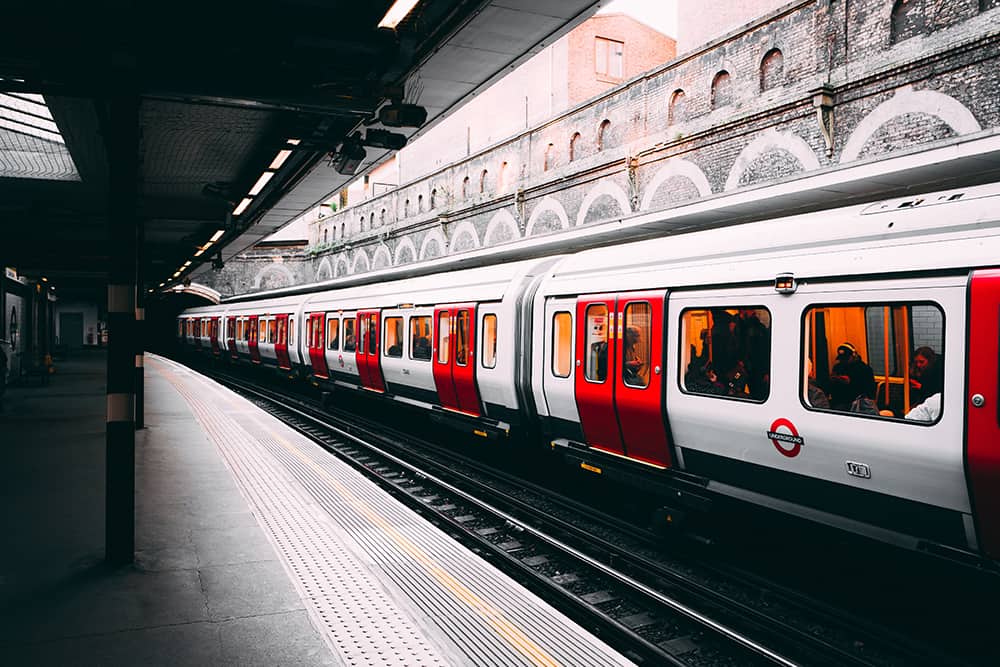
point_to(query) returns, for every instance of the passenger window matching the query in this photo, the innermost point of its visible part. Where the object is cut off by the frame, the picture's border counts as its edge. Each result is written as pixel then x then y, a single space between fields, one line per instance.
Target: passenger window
pixel 291 331
pixel 598 324
pixel 727 352
pixel 394 336
pixel 562 344
pixel 489 356
pixel 462 338
pixel 444 337
pixel 262 332
pixel 880 360
pixel 373 334
pixel 280 331
pixel 636 345
pixel 272 331
pixel 349 334
pixel 333 334
pixel 420 338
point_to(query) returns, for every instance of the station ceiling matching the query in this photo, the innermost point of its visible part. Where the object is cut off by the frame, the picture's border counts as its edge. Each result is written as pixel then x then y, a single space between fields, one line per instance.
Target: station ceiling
pixel 224 85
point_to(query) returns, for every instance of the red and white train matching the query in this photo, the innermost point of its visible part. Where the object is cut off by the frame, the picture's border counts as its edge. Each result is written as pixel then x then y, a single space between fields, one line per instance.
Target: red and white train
pixel 774 362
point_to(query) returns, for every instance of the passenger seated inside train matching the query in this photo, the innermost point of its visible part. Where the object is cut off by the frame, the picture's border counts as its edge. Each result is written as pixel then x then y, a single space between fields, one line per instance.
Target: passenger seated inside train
pixel 635 370
pixel 422 348
pixel 729 352
pixel 814 393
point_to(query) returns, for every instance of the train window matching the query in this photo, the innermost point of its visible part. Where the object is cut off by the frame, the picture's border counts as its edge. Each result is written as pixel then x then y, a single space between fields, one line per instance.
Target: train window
pixel 291 331
pixel 636 346
pixel 373 334
pixel 393 336
pixel 881 360
pixel 333 333
pixel 261 331
pixel 281 332
pixel 420 338
pixel 444 337
pixel 598 323
pixel 310 332
pixel 727 352
pixel 562 344
pixel 462 337
pixel 272 331
pixel 489 355
pixel 349 340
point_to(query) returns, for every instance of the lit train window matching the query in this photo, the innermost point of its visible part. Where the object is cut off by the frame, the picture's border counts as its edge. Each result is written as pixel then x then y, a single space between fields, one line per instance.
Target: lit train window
pixel 393 336
pixel 727 352
pixel 349 340
pixel 881 360
pixel 373 335
pixel 562 344
pixel 333 333
pixel 291 331
pixel 262 331
pixel 462 338
pixel 420 338
pixel 272 331
pixel 489 356
pixel 444 337
pixel 310 332
pixel 636 346
pixel 596 369
pixel 281 332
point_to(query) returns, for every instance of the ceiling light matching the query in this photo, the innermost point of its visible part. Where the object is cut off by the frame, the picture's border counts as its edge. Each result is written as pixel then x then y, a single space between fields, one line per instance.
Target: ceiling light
pixel 44 279
pixel 279 159
pixel 177 274
pixel 218 235
pixel 293 142
pixel 261 182
pixel 397 13
pixel 200 251
pixel 186 264
pixel 162 284
pixel 243 206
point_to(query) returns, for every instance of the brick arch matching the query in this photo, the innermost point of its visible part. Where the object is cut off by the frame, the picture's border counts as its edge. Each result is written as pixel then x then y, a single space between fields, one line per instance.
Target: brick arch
pixel 551 205
pixel 382 259
pixel 906 100
pixel 463 230
pixel 283 274
pixel 605 188
pixel 360 263
pixel 771 141
pixel 501 229
pixel 676 167
pixel 341 267
pixel 405 245
pixel 433 236
pixel 324 271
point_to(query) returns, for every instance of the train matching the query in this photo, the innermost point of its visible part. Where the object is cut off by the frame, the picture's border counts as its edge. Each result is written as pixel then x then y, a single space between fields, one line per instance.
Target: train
pixel 840 366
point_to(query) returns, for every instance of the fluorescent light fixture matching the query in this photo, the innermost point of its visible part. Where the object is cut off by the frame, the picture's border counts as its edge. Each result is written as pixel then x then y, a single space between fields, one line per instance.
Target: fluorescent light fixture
pixel 293 142
pixel 44 279
pixel 217 235
pixel 397 13
pixel 243 206
pixel 261 182
pixel 177 274
pixel 279 159
pixel 200 251
pixel 186 264
pixel 162 284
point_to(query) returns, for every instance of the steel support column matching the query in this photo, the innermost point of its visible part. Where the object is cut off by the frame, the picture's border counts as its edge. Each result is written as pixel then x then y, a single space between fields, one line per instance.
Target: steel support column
pixel 122 136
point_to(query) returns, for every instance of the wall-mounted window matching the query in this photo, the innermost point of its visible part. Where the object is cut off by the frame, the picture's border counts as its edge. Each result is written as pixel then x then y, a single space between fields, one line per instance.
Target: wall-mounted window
pixel 602 134
pixel 393 336
pixel 574 141
pixel 325 233
pixel 722 90
pixel 420 203
pixel 406 208
pixel 609 59
pixel 372 221
pixel 343 230
pixel 434 201
pixel 562 344
pixel 772 70
pixel 677 109
pixel 381 217
pixel 420 338
pixel 489 355
pixel 465 187
pixel 726 352
pixel 549 157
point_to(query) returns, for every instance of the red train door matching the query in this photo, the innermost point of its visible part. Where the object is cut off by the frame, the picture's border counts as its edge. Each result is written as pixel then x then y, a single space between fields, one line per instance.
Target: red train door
pixel 369 367
pixel 596 342
pixel 254 331
pixel 231 336
pixel 214 333
pixel 281 344
pixel 454 358
pixel 316 337
pixel 638 384
pixel 442 359
pixel 982 447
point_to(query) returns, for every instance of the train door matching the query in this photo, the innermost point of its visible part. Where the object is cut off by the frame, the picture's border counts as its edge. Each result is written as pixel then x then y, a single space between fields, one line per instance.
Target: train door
pixel 316 341
pixel 368 350
pixel 281 343
pixel 454 358
pixel 638 392
pixel 982 447
pixel 214 333
pixel 596 342
pixel 442 359
pixel 254 342
pixel 231 336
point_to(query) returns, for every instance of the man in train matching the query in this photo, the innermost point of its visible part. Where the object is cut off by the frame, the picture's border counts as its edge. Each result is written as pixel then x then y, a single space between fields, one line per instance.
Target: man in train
pixel 850 378
pixel 633 366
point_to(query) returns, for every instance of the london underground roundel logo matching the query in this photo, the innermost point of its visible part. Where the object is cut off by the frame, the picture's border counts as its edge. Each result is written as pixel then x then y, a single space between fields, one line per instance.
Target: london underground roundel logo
pixel 787 442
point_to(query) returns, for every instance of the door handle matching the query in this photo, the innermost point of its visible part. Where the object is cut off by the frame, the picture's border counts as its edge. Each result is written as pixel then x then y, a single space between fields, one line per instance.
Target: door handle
pixel 978 400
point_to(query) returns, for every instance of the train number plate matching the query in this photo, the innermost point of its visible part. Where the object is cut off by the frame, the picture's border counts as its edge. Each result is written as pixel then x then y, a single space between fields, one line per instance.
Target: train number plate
pixel 858 469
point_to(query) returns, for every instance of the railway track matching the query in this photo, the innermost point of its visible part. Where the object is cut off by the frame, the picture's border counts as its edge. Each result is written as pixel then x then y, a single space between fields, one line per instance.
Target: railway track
pixel 611 577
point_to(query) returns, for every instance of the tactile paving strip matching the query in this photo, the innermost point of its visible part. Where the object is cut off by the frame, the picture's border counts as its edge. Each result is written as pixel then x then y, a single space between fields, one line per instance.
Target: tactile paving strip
pixel 491 619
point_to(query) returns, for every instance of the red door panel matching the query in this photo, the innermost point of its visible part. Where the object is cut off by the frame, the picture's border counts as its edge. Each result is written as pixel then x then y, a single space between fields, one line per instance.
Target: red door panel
pixel 595 369
pixel 463 343
pixel 442 354
pixel 231 337
pixel 639 384
pixel 369 365
pixel 214 333
pixel 982 449
pixel 254 349
pixel 281 345
pixel 316 334
pixel 361 355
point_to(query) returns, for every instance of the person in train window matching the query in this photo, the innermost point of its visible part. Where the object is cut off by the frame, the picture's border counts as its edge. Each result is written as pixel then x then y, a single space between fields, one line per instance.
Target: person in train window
pixel 395 350
pixel 926 373
pixel 422 348
pixel 755 345
pixel 850 379
pixel 817 397
pixel 927 411
pixel 349 341
pixel 634 369
pixel 702 379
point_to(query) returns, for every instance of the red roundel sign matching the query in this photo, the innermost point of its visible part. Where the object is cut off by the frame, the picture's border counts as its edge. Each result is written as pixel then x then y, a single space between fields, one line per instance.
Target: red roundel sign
pixel 788 443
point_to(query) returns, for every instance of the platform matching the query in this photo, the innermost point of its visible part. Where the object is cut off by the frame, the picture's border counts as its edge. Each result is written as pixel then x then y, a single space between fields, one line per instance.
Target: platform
pixel 254 546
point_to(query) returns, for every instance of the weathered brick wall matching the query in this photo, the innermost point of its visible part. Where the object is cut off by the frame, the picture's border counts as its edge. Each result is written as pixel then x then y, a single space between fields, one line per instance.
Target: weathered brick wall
pixel 889 93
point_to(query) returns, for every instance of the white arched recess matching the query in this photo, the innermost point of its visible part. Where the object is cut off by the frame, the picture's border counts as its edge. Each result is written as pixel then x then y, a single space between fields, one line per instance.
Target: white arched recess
pixel 606 188
pixel 404 243
pixel 500 222
pixel 906 100
pixel 682 169
pixel 341 266
pixel 361 263
pixel 382 259
pixel 769 141
pixel 464 229
pixel 547 204
pixel 433 235
pixel 271 270
pixel 325 270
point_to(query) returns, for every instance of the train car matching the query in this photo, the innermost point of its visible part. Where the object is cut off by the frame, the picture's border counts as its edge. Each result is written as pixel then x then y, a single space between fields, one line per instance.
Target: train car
pixel 835 366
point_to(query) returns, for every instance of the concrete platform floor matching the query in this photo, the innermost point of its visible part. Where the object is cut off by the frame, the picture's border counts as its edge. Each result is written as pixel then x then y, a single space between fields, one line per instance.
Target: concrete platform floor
pixel 206 587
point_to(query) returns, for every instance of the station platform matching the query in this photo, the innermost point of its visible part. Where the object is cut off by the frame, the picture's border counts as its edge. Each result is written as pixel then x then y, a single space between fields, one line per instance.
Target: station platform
pixel 254 546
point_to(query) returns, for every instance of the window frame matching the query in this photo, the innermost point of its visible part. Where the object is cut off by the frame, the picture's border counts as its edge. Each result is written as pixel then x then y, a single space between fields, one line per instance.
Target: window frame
pixel 430 336
pixel 332 344
pixel 483 339
pixel 649 344
pixel 552 361
pixel 864 305
pixel 385 336
pixel 607 43
pixel 681 344
pixel 610 314
pixel 353 319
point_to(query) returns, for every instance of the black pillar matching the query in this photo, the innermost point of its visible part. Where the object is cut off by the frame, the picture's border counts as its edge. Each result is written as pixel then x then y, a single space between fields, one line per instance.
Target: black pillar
pixel 122 137
pixel 140 328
